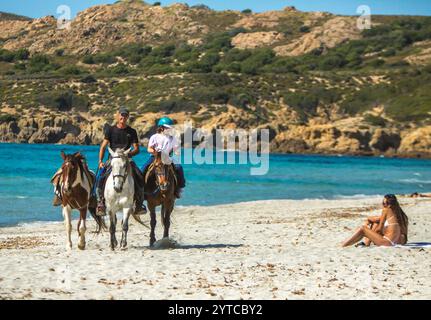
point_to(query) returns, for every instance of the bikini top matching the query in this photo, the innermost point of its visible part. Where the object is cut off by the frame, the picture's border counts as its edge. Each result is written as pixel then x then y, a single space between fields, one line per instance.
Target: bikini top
pixel 390 224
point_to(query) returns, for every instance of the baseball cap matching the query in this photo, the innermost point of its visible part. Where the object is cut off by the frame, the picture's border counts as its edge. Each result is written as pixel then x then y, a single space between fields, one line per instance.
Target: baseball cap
pixel 123 110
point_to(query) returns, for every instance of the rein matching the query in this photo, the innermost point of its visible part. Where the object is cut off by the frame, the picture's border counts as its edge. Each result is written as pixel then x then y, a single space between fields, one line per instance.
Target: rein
pixel 159 170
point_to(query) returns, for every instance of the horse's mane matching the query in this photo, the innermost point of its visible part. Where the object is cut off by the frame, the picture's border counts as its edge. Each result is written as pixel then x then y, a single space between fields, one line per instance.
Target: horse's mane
pixel 80 160
pixel 80 157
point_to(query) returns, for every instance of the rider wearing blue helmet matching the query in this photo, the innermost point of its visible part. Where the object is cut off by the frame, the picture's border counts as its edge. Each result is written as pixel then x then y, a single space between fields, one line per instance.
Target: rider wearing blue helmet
pixel 163 141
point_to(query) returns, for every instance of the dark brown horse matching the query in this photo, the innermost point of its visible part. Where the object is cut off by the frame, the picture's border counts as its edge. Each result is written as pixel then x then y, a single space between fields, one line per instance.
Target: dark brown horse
pixel 160 184
pixel 75 183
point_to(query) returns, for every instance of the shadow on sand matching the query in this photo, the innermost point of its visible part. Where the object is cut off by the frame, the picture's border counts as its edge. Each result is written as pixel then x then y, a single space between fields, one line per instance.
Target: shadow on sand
pixel 207 246
pixel 175 245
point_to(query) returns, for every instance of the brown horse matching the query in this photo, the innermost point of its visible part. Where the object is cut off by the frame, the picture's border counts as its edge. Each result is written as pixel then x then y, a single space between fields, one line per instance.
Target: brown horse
pixel 160 182
pixel 75 183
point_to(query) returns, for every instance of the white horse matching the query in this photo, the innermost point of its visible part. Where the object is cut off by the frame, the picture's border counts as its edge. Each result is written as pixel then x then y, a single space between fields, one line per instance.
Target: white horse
pixel 119 193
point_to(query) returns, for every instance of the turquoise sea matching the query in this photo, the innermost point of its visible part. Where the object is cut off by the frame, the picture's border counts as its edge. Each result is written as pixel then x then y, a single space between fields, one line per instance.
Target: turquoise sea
pixel 26 192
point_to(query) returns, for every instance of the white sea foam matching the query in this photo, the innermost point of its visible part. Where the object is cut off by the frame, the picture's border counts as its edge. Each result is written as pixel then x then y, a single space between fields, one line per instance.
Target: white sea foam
pixel 357 196
pixel 415 181
pixel 37 224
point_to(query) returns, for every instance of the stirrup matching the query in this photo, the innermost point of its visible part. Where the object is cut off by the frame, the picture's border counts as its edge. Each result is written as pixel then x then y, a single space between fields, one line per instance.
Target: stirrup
pixel 140 209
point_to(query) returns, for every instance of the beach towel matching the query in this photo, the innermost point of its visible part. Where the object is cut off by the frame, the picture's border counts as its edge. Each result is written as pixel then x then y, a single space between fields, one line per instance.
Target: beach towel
pixel 415 245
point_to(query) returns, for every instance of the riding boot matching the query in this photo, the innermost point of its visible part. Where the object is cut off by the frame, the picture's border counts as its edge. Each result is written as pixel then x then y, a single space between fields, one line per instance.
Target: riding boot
pixel 140 208
pixel 101 208
pixel 180 175
pixel 138 183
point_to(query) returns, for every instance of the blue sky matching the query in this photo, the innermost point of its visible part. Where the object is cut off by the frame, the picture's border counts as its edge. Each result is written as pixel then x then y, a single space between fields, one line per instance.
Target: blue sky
pixel 35 9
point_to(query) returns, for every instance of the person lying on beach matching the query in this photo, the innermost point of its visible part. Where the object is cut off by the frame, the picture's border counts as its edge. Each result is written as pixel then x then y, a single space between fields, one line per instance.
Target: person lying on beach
pixel 419 195
pixel 388 229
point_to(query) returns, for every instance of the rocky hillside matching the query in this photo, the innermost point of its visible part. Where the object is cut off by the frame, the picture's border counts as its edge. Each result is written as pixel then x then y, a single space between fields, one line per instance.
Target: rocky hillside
pixel 313 79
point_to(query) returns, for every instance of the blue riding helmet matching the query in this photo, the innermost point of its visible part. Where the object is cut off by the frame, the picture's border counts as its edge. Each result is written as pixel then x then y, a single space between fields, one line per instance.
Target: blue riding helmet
pixel 165 122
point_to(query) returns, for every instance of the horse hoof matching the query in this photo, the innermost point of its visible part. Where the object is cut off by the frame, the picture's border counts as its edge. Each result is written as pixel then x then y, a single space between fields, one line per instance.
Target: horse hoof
pixel 152 243
pixel 69 247
pixel 81 247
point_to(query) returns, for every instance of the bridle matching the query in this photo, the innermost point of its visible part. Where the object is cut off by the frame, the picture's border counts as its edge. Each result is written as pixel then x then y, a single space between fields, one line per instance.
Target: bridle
pixel 125 175
pixel 65 165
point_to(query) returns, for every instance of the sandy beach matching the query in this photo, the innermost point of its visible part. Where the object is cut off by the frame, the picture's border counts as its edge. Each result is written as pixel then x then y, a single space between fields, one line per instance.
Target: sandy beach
pixel 279 249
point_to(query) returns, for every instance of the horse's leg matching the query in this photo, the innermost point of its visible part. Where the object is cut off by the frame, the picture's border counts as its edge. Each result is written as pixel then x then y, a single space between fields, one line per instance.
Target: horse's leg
pixel 166 214
pixel 112 227
pixel 82 228
pixel 126 216
pixel 68 223
pixel 152 209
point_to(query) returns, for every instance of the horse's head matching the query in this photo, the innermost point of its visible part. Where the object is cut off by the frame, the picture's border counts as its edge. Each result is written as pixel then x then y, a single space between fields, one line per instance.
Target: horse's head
pixel 161 172
pixel 120 167
pixel 69 170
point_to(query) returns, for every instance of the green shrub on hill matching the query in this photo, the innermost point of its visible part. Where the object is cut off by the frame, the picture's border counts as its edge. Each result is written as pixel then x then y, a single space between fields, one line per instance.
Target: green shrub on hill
pixel 375 120
pixel 104 58
pixel 89 79
pixel 59 52
pixel 88 59
pixel 172 105
pixel 219 42
pixel 367 98
pixel 70 70
pixel 301 101
pixel 6 118
pixel 213 79
pixel 163 51
pixel 258 59
pixel 63 100
pixel 242 98
pixel 40 63
pixel 210 95
pixel 118 70
pixel 22 54
pixel 6 55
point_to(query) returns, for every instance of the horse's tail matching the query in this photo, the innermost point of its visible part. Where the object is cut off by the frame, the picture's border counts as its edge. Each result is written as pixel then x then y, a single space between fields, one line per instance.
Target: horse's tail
pixel 138 219
pixel 101 226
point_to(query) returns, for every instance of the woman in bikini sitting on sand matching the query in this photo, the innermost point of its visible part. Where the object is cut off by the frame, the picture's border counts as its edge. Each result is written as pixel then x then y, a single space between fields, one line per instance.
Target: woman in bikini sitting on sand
pixel 389 229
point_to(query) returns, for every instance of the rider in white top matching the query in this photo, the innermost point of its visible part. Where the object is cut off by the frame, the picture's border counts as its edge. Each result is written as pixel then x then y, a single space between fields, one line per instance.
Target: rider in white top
pixel 163 142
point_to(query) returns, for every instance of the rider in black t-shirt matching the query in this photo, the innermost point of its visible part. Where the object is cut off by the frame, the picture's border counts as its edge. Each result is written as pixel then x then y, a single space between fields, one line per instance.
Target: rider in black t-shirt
pixel 120 136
